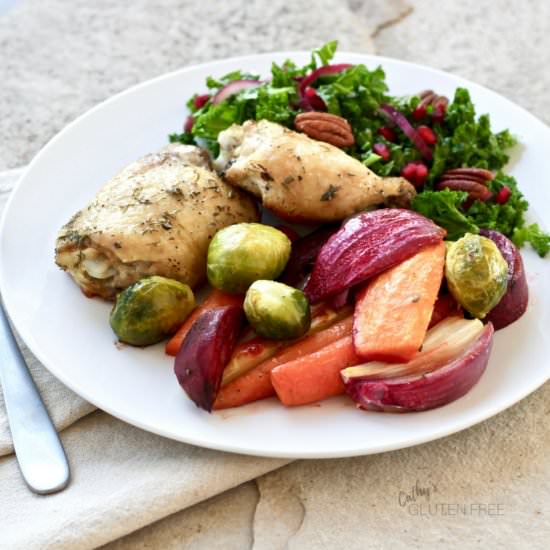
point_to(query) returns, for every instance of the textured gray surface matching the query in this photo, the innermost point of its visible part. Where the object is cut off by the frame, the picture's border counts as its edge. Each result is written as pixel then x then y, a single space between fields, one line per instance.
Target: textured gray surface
pixel 58 59
pixel 502 44
pixel 500 465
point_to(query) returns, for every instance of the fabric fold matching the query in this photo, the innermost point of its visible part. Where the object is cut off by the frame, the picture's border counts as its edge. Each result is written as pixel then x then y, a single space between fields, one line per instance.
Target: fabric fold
pixel 122 480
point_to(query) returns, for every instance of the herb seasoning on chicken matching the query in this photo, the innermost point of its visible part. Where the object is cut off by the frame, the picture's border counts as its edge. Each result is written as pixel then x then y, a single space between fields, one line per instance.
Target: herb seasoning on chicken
pixel 301 179
pixel 156 217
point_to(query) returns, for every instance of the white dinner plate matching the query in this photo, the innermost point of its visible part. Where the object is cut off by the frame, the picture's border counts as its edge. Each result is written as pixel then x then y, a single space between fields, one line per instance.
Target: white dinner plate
pixel 71 335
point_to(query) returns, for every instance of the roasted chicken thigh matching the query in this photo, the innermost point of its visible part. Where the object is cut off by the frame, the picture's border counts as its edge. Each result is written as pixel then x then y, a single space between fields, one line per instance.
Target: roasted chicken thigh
pixel 301 179
pixel 156 217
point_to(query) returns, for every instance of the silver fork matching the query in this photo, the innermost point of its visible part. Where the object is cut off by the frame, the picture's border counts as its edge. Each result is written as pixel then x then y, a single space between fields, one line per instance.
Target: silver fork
pixel 39 450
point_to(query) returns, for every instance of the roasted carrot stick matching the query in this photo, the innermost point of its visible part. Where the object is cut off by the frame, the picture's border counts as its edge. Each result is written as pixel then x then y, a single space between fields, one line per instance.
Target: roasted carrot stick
pixel 256 383
pixel 251 353
pixel 315 376
pixel 393 312
pixel 215 299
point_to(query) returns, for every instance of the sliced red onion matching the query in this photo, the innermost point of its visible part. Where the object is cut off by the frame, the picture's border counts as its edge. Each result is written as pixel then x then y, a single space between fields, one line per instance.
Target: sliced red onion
pixel 234 88
pixel 426 391
pixel 309 98
pixel 393 115
pixel 322 71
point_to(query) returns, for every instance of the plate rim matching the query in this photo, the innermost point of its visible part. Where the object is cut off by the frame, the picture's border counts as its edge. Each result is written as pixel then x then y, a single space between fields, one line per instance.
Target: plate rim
pixel 436 434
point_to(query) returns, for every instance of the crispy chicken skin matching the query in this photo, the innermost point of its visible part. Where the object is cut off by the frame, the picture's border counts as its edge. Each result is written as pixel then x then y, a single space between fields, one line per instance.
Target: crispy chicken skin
pixel 301 179
pixel 156 217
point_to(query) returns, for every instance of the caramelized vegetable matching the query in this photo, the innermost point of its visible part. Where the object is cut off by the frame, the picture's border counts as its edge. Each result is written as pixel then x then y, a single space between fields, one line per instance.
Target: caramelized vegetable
pixel 256 384
pixel 443 343
pixel 426 391
pixel 514 303
pixel 445 306
pixel 251 353
pixel 243 253
pixel 476 273
pixel 205 351
pixel 151 310
pixel 302 257
pixel 393 312
pixel 365 246
pixel 278 311
pixel 215 299
pixel 315 376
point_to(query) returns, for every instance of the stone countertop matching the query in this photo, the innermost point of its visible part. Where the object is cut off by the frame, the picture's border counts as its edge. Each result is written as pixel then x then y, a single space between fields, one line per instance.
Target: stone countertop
pixel 492 481
pixel 57 62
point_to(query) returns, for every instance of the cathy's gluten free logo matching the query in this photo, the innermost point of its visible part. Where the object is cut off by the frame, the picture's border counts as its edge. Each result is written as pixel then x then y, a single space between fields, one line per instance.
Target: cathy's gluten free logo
pixel 422 499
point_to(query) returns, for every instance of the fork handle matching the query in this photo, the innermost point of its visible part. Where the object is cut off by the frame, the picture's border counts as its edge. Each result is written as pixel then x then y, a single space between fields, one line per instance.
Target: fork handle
pixel 39 450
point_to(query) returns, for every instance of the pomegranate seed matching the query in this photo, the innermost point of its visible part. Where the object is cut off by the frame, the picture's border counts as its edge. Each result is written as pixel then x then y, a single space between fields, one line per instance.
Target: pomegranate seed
pixel 200 101
pixel 421 174
pixel 420 112
pixel 409 171
pixel 503 195
pixel 440 108
pixel 387 133
pixel 427 134
pixel 188 126
pixel 383 150
pixel 416 172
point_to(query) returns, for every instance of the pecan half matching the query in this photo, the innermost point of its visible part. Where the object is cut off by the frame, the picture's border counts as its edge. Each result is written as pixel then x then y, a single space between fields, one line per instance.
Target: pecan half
pixel 325 127
pixel 475 190
pixel 428 98
pixel 478 173
pixel 472 180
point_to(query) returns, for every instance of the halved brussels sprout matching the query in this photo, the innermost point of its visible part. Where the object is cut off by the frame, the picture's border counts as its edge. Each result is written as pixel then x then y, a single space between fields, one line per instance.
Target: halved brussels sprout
pixel 243 253
pixel 276 310
pixel 477 274
pixel 150 310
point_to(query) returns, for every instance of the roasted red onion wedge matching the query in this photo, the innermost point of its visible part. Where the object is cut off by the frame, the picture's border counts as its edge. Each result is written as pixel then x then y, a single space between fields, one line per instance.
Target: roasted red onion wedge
pixel 302 257
pixel 443 343
pixel 514 303
pixel 427 390
pixel 205 351
pixel 366 245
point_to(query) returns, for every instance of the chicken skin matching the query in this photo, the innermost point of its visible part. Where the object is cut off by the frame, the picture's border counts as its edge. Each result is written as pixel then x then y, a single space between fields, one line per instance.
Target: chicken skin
pixel 156 217
pixel 300 179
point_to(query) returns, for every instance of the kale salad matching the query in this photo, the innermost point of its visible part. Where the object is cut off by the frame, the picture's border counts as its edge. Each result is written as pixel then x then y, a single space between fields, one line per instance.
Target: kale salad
pixel 426 138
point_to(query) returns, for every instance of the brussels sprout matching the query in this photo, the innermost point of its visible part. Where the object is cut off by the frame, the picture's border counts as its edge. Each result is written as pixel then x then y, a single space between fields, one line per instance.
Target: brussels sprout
pixel 150 310
pixel 477 274
pixel 276 310
pixel 243 253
